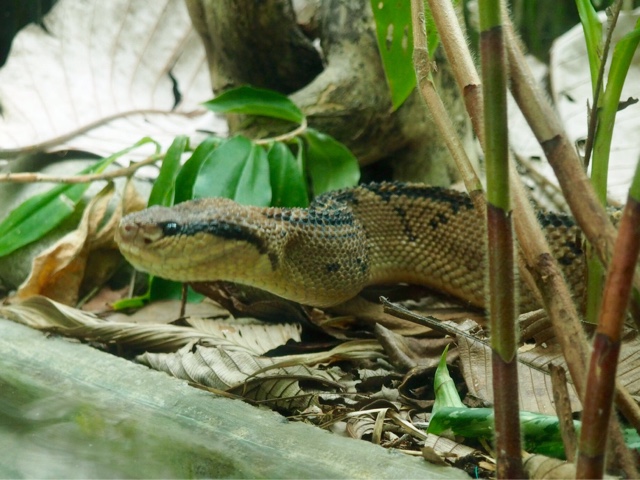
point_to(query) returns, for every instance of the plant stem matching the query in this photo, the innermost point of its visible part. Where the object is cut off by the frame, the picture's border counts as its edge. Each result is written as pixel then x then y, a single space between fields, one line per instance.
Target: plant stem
pixel 438 111
pixel 607 341
pixel 586 208
pixel 30 177
pixel 599 134
pixel 502 295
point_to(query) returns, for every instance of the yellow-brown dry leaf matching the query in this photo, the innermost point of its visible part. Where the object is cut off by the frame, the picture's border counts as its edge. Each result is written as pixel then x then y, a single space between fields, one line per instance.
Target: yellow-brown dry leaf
pixel 58 271
pixel 246 375
pixel 534 379
pixel 84 257
pixel 47 315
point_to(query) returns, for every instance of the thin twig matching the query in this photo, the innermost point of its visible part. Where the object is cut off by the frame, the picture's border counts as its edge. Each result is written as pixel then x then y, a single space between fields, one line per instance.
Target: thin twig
pixel 439 113
pixel 285 136
pixel 563 410
pixel 31 177
pixel 427 321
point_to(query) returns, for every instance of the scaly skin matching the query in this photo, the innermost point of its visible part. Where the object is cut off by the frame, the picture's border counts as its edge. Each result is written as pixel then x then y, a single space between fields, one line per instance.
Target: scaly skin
pixel 326 254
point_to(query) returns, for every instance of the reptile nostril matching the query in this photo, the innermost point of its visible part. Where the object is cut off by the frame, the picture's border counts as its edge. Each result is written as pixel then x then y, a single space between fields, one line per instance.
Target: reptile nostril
pixel 128 230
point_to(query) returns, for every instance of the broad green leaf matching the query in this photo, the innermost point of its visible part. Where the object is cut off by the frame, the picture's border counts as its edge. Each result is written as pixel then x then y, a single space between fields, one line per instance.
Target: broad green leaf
pixel 444 386
pixel 395 43
pixel 301 157
pixel 162 289
pixel 256 101
pixel 40 214
pixel 189 172
pixel 394 32
pixel 541 432
pixel 164 186
pixel 287 179
pixel 331 165
pixel 593 37
pixel 237 169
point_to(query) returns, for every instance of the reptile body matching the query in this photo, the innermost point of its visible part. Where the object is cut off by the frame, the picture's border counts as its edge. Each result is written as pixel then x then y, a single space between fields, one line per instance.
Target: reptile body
pixel 345 241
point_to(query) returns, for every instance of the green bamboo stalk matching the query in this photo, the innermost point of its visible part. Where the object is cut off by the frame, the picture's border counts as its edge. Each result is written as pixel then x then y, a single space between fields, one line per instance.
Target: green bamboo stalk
pixel 601 122
pixel 607 341
pixel 502 303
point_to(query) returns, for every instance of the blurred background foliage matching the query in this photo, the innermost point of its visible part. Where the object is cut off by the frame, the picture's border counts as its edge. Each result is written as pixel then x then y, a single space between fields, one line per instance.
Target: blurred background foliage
pixel 539 21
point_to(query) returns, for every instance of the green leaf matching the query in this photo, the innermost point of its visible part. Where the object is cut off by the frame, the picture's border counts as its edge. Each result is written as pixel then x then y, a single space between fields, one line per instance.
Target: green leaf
pixel 288 185
pixel 186 178
pixel 444 386
pixel 237 169
pixel 133 302
pixel 40 214
pixel 541 432
pixel 162 289
pixel 593 37
pixel 621 59
pixel 164 186
pixel 394 32
pixel 159 289
pixel 256 101
pixel 331 165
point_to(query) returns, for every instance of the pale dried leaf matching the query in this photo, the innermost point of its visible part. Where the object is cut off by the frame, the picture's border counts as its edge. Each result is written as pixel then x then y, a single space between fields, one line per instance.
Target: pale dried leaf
pixel 535 389
pixel 536 393
pixel 358 427
pixel 45 314
pixel 100 77
pixel 246 375
pixel 446 447
pixel 58 272
pixel 132 201
pixel 253 335
pixel 168 311
pixel 430 455
pixel 249 334
pixel 539 466
pixel 352 350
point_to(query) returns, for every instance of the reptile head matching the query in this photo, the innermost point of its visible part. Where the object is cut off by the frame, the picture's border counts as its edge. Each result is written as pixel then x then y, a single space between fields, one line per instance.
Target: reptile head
pixel 283 251
pixel 189 242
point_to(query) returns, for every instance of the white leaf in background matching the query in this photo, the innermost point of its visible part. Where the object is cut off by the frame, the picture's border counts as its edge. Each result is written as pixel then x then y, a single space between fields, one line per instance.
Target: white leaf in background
pixel 99 78
pixel 571 90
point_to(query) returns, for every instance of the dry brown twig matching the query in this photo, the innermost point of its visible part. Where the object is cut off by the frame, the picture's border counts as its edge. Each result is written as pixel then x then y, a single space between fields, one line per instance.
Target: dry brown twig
pixel 30 177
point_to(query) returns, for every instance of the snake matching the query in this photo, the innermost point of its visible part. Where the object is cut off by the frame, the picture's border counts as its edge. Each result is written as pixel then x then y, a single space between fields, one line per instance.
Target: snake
pixel 346 240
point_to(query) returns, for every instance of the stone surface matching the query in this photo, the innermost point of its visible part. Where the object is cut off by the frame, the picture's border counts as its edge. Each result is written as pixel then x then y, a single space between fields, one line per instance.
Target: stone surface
pixel 68 410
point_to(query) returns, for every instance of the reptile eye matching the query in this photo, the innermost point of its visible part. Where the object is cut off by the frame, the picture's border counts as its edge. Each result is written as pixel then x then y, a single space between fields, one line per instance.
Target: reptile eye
pixel 170 228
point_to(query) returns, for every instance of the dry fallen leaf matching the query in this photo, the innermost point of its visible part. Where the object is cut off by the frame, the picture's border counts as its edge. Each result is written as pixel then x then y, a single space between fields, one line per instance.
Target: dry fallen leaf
pixel 246 375
pixel 535 389
pixel 58 271
pixel 101 75
pixel 85 257
pixel 47 315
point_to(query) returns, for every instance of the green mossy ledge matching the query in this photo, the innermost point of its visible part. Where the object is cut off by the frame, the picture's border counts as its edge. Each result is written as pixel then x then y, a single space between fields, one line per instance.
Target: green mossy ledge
pixel 70 411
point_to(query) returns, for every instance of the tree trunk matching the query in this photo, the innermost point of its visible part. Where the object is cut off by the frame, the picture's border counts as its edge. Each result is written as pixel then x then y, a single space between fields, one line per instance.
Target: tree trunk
pixel 347 97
